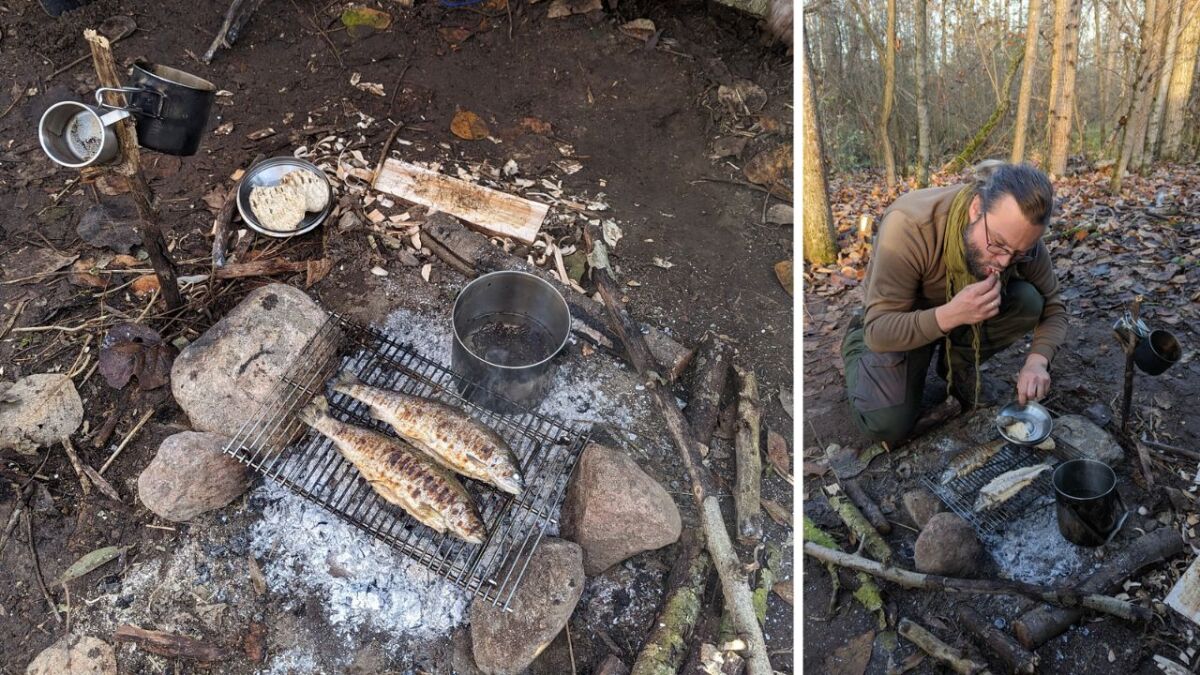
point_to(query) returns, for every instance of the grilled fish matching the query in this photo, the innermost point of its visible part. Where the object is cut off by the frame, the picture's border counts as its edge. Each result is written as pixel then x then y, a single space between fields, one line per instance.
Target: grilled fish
pixel 1006 486
pixel 448 436
pixel 403 477
pixel 969 461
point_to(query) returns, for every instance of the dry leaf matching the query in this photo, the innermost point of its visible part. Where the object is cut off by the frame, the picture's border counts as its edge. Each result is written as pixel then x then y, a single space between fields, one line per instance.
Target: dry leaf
pixel 468 126
pixel 778 455
pixel 130 350
pixel 82 274
pixel 145 285
pixel 642 29
pixel 784 590
pixel 33 261
pixel 560 8
pixel 783 272
pixel 777 512
pixel 852 658
pixel 454 35
pixel 426 270
pixel 536 126
pixel 354 17
pixel 89 562
pixel 771 167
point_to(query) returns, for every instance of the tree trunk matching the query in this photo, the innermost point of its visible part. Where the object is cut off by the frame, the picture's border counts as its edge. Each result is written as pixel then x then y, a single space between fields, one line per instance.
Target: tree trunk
pixel 1060 123
pixel 1139 153
pixel 889 94
pixel 942 39
pixel 976 143
pixel 1104 50
pixel 922 59
pixel 1134 132
pixel 1057 48
pixel 1182 76
pixel 1023 99
pixel 820 240
pixel 1169 16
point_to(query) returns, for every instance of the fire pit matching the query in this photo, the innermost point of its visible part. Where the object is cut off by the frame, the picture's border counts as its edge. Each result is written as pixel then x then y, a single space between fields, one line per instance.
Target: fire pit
pixel 275 443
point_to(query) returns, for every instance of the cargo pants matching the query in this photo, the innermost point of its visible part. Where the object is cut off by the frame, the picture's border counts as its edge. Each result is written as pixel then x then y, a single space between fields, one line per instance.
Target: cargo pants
pixel 885 389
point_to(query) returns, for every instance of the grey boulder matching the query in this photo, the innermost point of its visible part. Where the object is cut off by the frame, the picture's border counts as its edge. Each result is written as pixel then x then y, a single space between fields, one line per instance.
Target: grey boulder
pixel 1094 442
pixel 190 475
pixel 921 505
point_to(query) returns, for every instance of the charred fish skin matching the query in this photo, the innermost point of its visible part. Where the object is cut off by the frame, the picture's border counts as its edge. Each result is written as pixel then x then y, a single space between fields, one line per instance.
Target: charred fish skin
pixel 449 436
pixel 970 461
pixel 402 477
pixel 1007 485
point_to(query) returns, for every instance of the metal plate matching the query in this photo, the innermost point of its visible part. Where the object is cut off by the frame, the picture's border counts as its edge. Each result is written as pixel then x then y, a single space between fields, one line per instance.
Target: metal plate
pixel 270 172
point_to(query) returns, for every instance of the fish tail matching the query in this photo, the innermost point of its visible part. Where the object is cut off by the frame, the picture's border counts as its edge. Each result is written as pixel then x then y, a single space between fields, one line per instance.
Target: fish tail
pixel 314 411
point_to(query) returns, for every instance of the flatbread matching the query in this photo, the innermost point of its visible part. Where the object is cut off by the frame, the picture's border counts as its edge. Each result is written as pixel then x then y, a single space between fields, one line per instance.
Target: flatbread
pixel 315 189
pixel 279 208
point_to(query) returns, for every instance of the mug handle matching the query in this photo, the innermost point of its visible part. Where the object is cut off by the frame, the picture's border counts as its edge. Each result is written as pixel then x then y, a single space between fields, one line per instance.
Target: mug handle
pixel 113 116
pixel 130 90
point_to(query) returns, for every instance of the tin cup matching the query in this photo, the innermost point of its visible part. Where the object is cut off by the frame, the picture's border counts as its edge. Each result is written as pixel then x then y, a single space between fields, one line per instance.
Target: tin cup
pixel 509 327
pixel 172 107
pixel 1156 352
pixel 77 134
pixel 1089 509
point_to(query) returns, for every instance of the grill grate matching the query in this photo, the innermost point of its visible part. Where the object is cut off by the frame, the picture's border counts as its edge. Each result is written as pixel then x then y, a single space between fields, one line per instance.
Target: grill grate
pixel 283 449
pixel 960 494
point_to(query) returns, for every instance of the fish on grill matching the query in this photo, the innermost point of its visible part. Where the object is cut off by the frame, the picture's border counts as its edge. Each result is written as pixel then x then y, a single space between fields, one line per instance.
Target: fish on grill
pixel 1006 486
pixel 966 463
pixel 449 436
pixel 403 477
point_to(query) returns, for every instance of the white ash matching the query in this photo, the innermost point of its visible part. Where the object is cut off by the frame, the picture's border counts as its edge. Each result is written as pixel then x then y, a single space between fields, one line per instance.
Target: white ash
pixel 361 582
pixel 1032 550
pixel 429 335
pixel 293 661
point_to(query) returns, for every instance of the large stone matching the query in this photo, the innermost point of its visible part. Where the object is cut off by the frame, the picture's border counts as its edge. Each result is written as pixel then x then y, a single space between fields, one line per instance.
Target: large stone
pixel 37 411
pixel 221 379
pixel 921 505
pixel 191 474
pixel 615 511
pixel 75 655
pixel 1089 439
pixel 506 642
pixel 947 546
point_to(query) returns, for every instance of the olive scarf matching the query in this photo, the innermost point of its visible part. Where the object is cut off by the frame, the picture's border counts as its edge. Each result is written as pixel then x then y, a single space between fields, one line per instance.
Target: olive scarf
pixel 958 276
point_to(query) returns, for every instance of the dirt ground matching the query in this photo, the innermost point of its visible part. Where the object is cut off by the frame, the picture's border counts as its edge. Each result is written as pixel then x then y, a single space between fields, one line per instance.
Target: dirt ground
pixel 1087 371
pixel 641 121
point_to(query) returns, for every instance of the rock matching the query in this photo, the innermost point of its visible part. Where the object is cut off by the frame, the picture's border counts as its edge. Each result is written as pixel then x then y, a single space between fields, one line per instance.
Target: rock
pixel 190 475
pixel 221 379
pixel 614 510
pixel 921 505
pixel 612 666
pixel 1091 441
pixel 37 411
pixel 948 546
pixel 781 214
pixel 506 642
pixel 75 655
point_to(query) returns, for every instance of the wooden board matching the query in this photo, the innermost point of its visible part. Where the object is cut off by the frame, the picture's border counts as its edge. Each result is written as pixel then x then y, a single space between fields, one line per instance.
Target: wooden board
pixel 489 211
pixel 1185 596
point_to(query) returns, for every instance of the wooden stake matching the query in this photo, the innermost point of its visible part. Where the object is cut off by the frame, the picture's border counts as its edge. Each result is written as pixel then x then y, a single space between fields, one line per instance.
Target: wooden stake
pixel 748 490
pixel 1063 597
pixel 1003 645
pixel 931 645
pixel 738 599
pixel 1128 344
pixel 131 168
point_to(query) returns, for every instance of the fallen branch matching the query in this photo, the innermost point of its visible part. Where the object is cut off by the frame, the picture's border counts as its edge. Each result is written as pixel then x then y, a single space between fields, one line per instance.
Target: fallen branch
pixel 1062 597
pixel 1003 645
pixel 862 528
pixel 667 644
pixel 736 590
pixel 931 645
pixel 867 594
pixel 1182 452
pixel 221 229
pixel 128 437
pixel 1044 623
pixel 708 382
pixel 170 645
pixel 236 16
pixel 314 270
pixel 867 505
pixel 748 490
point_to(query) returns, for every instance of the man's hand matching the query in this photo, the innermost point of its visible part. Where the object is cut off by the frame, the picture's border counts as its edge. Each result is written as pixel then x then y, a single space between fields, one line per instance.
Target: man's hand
pixel 974 304
pixel 1033 382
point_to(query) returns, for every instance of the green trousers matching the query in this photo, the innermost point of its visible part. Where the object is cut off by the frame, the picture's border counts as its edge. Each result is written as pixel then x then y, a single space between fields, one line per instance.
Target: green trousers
pixel 885 389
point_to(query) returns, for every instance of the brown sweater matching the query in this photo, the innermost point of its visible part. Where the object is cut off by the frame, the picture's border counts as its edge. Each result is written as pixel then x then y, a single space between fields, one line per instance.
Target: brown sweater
pixel 906 279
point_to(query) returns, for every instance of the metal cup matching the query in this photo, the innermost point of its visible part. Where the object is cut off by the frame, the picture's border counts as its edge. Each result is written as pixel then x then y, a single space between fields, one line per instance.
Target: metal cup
pixel 171 107
pixel 508 328
pixel 1157 352
pixel 77 135
pixel 1086 501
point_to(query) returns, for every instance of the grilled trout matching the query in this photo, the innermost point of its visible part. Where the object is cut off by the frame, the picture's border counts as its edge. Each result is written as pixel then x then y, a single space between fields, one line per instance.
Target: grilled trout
pixel 1006 486
pixel 969 461
pixel 403 477
pixel 448 436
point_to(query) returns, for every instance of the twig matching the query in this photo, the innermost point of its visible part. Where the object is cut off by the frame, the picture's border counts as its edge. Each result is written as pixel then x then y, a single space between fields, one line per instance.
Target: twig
pixel 128 437
pixel 12 320
pixel 77 465
pixel 336 53
pixel 392 101
pixel 930 644
pixel 1190 454
pixel 570 649
pixel 37 567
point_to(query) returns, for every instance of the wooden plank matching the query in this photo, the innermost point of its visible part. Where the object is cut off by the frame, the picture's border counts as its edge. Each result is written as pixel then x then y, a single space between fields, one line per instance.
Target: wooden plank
pixel 1185 596
pixel 489 211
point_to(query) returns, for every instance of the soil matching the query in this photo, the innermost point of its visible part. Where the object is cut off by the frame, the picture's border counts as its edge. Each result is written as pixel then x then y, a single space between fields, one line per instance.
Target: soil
pixel 641 120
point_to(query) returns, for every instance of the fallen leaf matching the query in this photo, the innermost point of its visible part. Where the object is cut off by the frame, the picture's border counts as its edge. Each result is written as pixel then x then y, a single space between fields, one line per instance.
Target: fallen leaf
pixel 642 29
pixel 145 285
pixel 777 512
pixel 89 562
pixel 852 658
pixel 454 35
pixel 778 456
pixel 536 126
pixel 666 264
pixel 83 274
pixel 785 399
pixel 32 262
pixel 365 16
pixel 257 580
pixel 469 126
pixel 783 272
pixel 784 590
pixel 814 467
pixel 561 8
pixel 771 167
pixel 131 350
pixel 111 226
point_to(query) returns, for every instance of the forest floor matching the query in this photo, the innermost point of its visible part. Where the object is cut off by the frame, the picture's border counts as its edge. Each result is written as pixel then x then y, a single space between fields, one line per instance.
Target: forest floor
pixel 1106 251
pixel 624 118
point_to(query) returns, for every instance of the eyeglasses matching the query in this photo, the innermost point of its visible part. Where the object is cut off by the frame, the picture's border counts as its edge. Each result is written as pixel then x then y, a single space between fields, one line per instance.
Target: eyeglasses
pixel 1018 257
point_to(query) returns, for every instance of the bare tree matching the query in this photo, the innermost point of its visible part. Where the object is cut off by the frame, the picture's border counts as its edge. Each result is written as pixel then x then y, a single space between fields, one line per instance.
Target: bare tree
pixel 922 62
pixel 1173 13
pixel 1026 94
pixel 1182 77
pixel 1062 102
pixel 820 240
pixel 1134 132
pixel 1139 151
pixel 889 94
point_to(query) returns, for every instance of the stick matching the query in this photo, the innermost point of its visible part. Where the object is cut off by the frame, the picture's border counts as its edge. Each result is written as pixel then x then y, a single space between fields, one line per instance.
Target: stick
pixel 125 442
pixel 1144 460
pixel 169 645
pixel 862 528
pixel 12 320
pixel 667 645
pixel 105 432
pixel 1182 452
pixel 236 16
pixel 263 268
pixel 1129 345
pixel 220 247
pixel 747 493
pixel 130 167
pixel 708 382
pixel 939 650
pixel 1058 596
pixel 1003 645
pixel 738 600
pixel 1044 623
pixel 77 465
pixel 867 505
pixel 868 594
pixel 37 568
pixel 24 493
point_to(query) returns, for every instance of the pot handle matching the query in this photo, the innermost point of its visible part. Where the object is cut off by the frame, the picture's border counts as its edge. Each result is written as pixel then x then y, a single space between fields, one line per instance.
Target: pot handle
pixel 131 90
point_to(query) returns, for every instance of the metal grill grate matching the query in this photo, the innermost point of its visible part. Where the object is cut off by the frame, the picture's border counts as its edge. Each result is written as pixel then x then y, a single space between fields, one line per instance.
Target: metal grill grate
pixel 285 450
pixel 960 494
